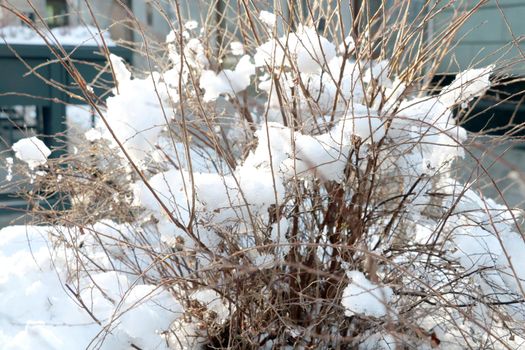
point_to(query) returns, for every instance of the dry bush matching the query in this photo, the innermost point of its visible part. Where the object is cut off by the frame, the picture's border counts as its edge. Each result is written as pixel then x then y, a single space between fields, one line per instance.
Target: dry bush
pixel 270 228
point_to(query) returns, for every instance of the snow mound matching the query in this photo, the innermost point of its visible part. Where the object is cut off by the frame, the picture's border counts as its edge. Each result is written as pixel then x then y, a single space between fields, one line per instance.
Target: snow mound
pixel 43 308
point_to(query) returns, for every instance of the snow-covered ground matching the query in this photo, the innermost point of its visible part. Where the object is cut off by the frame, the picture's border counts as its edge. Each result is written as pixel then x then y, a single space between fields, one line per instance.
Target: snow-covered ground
pixel 43 308
pixel 75 36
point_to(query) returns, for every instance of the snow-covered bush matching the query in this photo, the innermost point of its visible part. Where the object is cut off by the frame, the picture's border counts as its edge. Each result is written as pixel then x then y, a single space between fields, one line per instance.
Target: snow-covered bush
pixel 301 198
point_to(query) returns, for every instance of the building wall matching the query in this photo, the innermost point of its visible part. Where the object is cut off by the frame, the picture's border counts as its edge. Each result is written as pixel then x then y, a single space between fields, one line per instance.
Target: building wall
pixel 7 18
pixel 487 37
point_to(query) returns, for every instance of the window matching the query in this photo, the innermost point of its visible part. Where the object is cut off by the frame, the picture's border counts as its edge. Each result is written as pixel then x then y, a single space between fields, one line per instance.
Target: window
pixel 17 122
pixel 30 16
pixel 149 13
pixel 57 15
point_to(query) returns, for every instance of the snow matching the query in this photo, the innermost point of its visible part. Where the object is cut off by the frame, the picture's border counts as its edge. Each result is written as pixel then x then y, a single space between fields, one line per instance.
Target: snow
pixel 93 135
pixel 213 302
pixel 147 311
pixel 378 341
pixel 237 48
pixel 32 151
pixel 467 85
pixel 268 18
pixel 171 37
pixel 195 54
pixel 270 53
pixel 343 84
pixel 190 25
pixel 79 117
pixel 118 66
pixel 9 167
pixel 79 120
pixel 227 81
pixel 36 311
pixel 135 112
pixel 364 297
pixel 39 312
pixel 347 46
pixel 513 261
pixel 362 123
pixel 173 187
pixel 75 36
pixel 379 72
pixel 312 50
pixel 306 49
pixel 351 82
pixel 194 210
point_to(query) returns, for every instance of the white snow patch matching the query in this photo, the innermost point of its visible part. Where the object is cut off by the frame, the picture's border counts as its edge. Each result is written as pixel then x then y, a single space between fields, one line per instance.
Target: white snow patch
pixel 306 49
pixel 32 151
pixel 268 18
pixel 237 48
pixel 190 25
pixel 467 85
pixel 227 81
pixel 363 297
